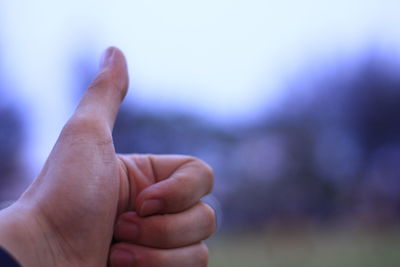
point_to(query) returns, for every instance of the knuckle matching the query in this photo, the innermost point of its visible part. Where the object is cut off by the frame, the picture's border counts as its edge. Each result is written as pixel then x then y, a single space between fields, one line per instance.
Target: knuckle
pixel 210 217
pixel 102 80
pixel 82 125
pixel 106 80
pixel 204 165
pixel 202 255
pixel 209 175
pixel 206 169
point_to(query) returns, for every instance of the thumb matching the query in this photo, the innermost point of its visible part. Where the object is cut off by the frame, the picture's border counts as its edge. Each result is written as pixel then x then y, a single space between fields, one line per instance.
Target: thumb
pixel 102 99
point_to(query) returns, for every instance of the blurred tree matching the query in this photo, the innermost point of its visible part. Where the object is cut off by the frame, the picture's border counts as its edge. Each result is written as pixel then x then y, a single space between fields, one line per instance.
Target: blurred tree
pixel 336 138
pixel 12 140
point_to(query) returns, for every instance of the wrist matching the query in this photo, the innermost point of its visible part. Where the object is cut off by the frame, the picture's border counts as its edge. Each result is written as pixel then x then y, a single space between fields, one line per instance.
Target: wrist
pixel 24 236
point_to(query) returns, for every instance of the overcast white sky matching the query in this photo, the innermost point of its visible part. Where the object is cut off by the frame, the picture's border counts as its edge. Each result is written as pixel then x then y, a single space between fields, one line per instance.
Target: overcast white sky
pixel 224 59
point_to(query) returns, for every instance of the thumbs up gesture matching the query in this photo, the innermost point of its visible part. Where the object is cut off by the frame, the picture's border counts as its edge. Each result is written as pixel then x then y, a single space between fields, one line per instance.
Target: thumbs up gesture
pixel 90 206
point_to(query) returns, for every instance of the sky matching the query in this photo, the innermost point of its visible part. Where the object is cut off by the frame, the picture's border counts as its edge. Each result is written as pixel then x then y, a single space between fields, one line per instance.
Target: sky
pixel 225 60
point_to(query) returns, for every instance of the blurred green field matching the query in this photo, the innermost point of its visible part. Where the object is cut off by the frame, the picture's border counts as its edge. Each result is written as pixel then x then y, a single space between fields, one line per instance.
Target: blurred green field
pixel 322 248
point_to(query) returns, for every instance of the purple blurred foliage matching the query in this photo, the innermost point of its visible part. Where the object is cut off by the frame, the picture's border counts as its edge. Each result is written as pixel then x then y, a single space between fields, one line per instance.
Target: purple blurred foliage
pixel 12 168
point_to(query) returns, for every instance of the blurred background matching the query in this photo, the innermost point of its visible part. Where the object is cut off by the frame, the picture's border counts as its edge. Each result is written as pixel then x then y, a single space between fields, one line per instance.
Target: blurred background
pixel 295 104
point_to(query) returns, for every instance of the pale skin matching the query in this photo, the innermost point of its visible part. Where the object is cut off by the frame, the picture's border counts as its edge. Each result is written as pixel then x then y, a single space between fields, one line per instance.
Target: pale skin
pixel 87 195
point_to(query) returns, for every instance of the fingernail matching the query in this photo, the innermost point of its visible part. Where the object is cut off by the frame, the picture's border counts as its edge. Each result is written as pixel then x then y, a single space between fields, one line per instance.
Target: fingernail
pixel 122 258
pixel 107 55
pixel 150 207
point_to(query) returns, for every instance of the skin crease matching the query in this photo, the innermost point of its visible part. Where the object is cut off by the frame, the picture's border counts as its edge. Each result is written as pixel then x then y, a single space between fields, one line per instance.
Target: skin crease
pixel 86 193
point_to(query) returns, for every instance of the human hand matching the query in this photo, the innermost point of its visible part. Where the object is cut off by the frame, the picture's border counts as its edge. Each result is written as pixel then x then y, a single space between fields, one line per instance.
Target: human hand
pixel 171 239
pixel 86 193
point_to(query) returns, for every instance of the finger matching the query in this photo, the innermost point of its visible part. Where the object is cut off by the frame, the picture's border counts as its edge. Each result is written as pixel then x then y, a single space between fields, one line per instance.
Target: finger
pixel 167 231
pixel 102 99
pixel 180 182
pixel 129 255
